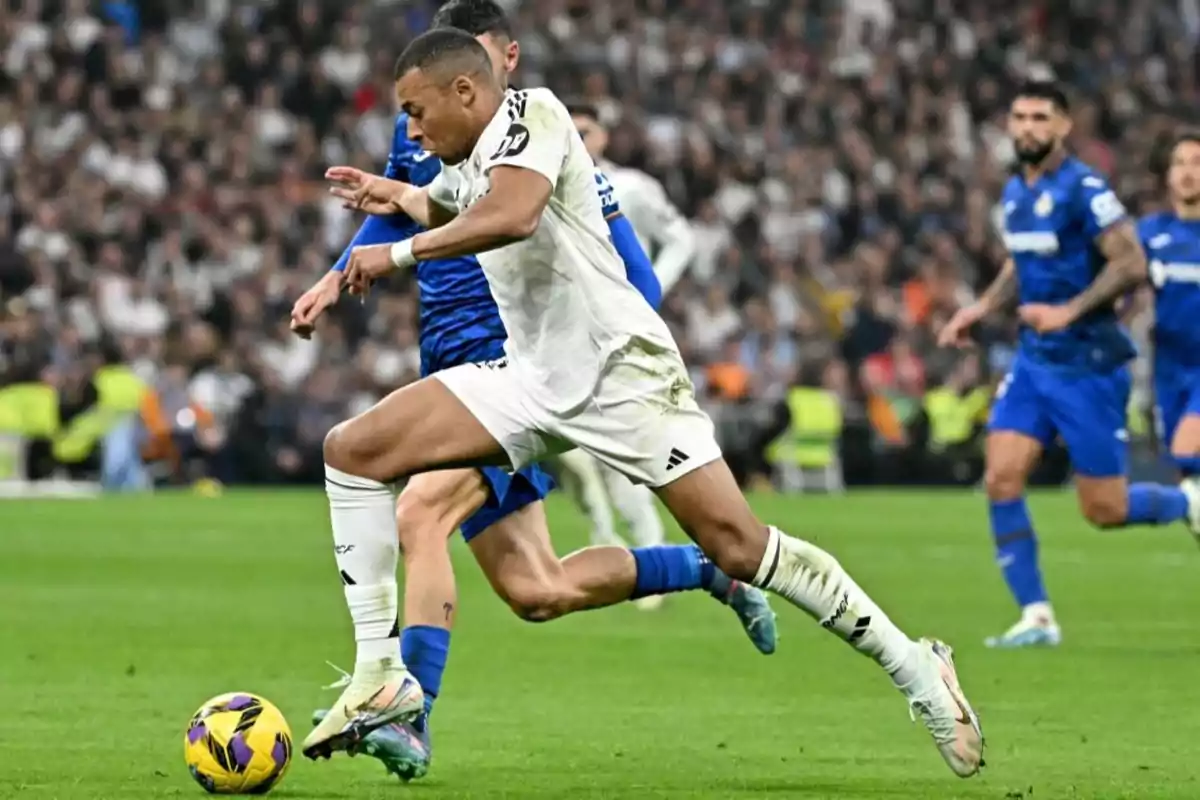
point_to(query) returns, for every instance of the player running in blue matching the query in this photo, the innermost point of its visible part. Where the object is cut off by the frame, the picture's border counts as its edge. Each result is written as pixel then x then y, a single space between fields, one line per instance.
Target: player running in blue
pixel 1171 240
pixel 1073 252
pixel 500 514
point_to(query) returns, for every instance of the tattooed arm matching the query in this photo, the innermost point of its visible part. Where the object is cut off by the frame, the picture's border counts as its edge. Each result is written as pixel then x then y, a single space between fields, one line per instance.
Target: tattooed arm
pixel 1001 289
pixel 1125 269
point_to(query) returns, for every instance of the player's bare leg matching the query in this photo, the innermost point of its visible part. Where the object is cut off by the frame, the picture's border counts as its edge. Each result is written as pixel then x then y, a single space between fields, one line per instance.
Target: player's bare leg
pixel 1113 502
pixel 420 427
pixel 709 505
pixel 1010 457
pixel 586 485
pixel 635 504
pixel 1185 450
pixel 518 558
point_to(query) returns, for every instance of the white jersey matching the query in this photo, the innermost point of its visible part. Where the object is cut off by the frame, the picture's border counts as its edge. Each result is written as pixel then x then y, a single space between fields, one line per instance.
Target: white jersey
pixel 562 293
pixel 661 229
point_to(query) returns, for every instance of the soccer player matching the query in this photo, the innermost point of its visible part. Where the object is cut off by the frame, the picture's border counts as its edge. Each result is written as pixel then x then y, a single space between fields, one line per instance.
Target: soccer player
pixel 1172 243
pixel 588 364
pixel 501 516
pixel 1073 252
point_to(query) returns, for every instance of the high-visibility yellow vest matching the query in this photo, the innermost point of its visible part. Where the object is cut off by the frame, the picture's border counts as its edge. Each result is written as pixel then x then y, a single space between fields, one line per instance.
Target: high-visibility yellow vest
pixel 29 409
pixel 811 440
pixel 952 417
pixel 120 389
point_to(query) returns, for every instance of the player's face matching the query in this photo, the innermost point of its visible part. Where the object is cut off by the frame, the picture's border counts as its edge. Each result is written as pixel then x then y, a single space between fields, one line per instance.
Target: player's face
pixel 503 52
pixel 595 138
pixel 1037 127
pixel 439 117
pixel 1183 176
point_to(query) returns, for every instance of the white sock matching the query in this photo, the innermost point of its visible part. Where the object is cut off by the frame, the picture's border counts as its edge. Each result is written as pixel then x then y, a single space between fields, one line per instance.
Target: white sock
pixel 636 506
pixel 814 581
pixel 1038 613
pixel 591 496
pixel 367 551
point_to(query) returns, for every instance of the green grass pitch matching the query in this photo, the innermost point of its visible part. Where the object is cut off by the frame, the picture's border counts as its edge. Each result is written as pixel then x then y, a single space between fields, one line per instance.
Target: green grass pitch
pixel 118 617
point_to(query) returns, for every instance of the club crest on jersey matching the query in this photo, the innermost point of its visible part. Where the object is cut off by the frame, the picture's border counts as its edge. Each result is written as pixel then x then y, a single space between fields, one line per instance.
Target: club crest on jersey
pixel 1044 206
pixel 1160 241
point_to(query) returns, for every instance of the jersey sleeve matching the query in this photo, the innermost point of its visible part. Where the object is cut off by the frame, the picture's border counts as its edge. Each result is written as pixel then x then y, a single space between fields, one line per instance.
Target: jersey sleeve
pixel 638 268
pixel 537 135
pixel 1099 205
pixel 444 189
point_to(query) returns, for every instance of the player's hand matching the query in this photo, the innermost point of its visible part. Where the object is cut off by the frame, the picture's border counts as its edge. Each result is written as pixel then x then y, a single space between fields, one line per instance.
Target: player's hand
pixel 363 191
pixel 313 303
pixel 957 332
pixel 1045 318
pixel 368 264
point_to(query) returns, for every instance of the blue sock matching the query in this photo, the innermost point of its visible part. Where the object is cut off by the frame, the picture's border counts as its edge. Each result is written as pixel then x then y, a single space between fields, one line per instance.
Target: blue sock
pixel 1017 550
pixel 1188 465
pixel 1155 504
pixel 667 568
pixel 424 649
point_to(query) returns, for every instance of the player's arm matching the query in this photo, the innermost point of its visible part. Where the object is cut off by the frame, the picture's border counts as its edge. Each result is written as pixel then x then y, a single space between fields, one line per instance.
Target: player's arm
pixel 638 268
pixel 508 213
pixel 1117 240
pixel 1002 289
pixel 671 233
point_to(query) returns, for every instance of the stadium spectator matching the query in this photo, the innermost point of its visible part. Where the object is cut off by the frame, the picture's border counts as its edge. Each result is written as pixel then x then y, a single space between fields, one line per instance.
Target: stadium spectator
pixel 161 165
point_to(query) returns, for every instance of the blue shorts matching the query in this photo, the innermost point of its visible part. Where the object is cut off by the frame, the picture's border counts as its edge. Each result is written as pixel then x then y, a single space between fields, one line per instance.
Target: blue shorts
pixel 1087 409
pixel 1176 395
pixel 508 492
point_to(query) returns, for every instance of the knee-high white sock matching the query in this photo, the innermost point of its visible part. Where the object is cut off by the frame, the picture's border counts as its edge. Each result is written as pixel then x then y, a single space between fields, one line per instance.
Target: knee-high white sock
pixel 591 496
pixel 814 580
pixel 367 551
pixel 636 506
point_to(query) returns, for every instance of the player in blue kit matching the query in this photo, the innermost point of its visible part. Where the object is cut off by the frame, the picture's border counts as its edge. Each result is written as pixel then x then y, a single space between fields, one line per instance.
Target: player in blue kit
pixel 1073 252
pixel 1172 243
pixel 500 514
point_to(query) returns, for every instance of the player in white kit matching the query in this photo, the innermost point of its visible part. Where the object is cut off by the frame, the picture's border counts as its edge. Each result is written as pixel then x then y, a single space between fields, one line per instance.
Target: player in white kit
pixel 589 364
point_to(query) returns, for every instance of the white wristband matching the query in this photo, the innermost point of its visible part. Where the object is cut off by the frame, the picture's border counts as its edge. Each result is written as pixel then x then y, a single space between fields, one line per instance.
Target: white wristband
pixel 402 254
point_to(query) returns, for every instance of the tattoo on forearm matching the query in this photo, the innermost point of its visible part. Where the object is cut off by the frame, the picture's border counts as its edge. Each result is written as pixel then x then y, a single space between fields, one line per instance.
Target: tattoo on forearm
pixel 1003 287
pixel 1125 267
pixel 449 609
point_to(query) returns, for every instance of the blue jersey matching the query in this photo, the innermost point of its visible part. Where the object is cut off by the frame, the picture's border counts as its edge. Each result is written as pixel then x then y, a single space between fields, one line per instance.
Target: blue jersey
pixel 1050 231
pixel 458 316
pixel 1172 247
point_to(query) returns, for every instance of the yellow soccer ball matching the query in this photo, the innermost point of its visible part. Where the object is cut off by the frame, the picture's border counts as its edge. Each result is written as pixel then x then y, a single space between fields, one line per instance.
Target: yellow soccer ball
pixel 238 743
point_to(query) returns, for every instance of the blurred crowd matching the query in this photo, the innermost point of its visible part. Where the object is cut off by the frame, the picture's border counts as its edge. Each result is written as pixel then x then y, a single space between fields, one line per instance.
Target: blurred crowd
pixel 840 160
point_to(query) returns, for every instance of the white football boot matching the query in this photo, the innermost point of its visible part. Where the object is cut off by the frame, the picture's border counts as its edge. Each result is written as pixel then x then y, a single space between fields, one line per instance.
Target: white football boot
pixel 379 693
pixel 1191 488
pixel 936 698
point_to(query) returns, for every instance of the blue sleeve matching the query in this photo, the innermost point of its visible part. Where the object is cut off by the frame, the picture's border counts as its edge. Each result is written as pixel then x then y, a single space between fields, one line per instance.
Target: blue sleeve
pixel 637 264
pixel 378 230
pixel 1100 206
pixel 384 230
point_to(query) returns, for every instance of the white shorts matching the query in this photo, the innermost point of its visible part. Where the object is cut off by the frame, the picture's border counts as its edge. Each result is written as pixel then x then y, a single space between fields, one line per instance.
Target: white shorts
pixel 643 420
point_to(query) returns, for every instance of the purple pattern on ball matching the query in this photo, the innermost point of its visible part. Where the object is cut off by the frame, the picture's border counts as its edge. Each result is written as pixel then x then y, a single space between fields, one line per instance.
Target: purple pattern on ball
pixel 196 733
pixel 279 753
pixel 240 702
pixel 241 752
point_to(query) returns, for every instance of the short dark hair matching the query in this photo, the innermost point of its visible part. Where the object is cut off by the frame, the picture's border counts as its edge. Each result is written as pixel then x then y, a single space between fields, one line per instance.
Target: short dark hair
pixel 582 108
pixel 441 46
pixel 1045 90
pixel 476 17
